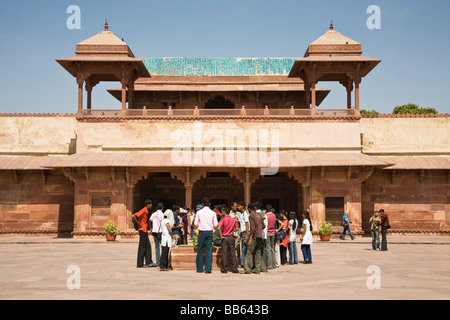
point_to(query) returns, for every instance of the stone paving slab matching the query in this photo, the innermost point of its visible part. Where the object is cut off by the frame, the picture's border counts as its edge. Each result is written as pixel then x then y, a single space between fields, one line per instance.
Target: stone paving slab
pixel 32 268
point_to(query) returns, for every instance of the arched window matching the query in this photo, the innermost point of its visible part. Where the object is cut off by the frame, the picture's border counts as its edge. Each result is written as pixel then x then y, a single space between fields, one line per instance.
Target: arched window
pixel 219 102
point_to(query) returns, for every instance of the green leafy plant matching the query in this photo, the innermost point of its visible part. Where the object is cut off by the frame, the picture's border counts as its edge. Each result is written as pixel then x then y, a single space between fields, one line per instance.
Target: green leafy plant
pixel 367 112
pixel 412 108
pixel 325 228
pixel 111 228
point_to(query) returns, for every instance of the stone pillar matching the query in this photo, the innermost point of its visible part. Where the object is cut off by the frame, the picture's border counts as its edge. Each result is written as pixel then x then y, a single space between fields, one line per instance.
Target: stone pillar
pixel 188 185
pixel 89 95
pixel 188 196
pixel 313 99
pixel 130 95
pixel 349 94
pixel 304 197
pixel 124 96
pixel 247 187
pixel 357 83
pixel 313 81
pixel 130 184
pixel 80 82
pixel 307 95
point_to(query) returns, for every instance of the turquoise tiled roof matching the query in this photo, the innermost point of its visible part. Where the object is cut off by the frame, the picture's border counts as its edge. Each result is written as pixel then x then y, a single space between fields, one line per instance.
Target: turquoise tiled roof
pixel 219 66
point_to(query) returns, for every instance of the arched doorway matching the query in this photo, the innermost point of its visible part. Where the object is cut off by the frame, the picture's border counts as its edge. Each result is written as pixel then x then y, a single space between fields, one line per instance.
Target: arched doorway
pixel 280 191
pixel 219 102
pixel 159 187
pixel 220 187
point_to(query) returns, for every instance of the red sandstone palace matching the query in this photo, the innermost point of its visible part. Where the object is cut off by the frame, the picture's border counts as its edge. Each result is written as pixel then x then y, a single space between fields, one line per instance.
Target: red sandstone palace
pixel 70 174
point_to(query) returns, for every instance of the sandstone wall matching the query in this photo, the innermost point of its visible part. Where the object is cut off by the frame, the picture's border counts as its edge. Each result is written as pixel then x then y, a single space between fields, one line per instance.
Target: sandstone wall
pixel 402 136
pixel 37 135
pixel 414 203
pixel 32 201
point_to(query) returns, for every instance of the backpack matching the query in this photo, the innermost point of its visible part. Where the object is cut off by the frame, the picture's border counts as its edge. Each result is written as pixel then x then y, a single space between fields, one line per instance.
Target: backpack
pixel 217 242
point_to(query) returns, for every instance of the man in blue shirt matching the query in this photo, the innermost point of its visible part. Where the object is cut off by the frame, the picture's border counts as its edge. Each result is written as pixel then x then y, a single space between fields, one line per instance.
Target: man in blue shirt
pixel 346 224
pixel 176 223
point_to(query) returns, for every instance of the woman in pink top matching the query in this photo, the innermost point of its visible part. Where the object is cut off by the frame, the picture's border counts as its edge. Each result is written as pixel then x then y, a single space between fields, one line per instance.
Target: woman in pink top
pixel 271 228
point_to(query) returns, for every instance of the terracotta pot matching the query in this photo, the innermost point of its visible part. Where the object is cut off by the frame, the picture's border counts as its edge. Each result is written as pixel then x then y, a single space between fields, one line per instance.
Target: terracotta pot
pixel 325 237
pixel 110 237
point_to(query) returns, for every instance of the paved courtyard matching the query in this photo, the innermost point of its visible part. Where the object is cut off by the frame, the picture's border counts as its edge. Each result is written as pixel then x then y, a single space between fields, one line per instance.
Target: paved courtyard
pixel 37 268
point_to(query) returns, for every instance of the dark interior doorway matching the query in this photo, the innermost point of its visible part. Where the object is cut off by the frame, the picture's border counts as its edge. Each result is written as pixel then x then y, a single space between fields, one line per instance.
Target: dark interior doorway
pixel 275 203
pixel 159 187
pixel 220 187
pixel 219 102
pixel 334 210
pixel 279 190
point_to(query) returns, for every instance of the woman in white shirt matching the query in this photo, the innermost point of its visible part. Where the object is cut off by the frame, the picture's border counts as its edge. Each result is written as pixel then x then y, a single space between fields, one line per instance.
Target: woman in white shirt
pixel 306 238
pixel 166 244
pixel 292 245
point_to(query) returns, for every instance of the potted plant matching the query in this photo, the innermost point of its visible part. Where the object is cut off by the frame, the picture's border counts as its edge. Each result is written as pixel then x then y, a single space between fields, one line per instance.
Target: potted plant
pixel 325 231
pixel 111 231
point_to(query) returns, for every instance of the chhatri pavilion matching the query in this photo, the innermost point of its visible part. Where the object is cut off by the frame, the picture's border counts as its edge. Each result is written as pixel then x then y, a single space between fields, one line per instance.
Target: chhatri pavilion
pixel 232 129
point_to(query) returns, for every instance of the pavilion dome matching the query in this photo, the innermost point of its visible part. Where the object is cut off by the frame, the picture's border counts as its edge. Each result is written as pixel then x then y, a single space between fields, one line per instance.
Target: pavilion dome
pixel 333 43
pixel 104 43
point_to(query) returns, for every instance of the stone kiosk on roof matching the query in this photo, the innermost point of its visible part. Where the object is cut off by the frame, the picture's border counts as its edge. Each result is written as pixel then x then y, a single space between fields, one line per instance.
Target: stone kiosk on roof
pixel 104 57
pixel 333 57
pixel 233 129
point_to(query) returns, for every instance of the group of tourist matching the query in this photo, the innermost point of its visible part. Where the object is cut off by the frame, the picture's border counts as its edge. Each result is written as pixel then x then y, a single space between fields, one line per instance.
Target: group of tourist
pixel 252 237
pixel 168 228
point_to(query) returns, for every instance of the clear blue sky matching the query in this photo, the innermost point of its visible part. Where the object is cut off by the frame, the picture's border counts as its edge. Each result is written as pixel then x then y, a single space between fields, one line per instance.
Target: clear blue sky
pixel 413 44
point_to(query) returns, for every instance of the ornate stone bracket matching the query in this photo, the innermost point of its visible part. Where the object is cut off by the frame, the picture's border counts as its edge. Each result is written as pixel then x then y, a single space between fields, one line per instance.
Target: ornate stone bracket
pixel 71 174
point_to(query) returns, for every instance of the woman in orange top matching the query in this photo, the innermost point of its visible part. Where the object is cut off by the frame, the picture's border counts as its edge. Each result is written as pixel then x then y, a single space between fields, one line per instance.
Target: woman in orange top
pixel 285 241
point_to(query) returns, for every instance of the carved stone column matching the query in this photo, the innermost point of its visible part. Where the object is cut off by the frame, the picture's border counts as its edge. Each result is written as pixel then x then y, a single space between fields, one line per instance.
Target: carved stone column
pixel 188 185
pixel 357 83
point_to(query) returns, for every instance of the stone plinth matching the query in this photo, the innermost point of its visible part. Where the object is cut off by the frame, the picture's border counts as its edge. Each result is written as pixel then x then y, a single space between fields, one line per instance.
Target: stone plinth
pixel 183 258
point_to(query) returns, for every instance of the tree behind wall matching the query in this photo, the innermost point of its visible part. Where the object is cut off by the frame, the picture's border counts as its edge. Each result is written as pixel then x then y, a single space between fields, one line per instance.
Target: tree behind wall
pixel 411 108
pixel 371 112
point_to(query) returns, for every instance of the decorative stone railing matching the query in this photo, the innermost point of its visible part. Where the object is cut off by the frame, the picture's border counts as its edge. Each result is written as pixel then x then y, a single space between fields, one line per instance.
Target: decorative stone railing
pixel 195 113
pixel 218 113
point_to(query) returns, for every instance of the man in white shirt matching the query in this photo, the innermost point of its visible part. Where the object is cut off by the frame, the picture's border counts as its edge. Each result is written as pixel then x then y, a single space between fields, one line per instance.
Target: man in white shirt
pixel 234 213
pixel 245 227
pixel 166 244
pixel 206 221
pixel 263 248
pixel 155 220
